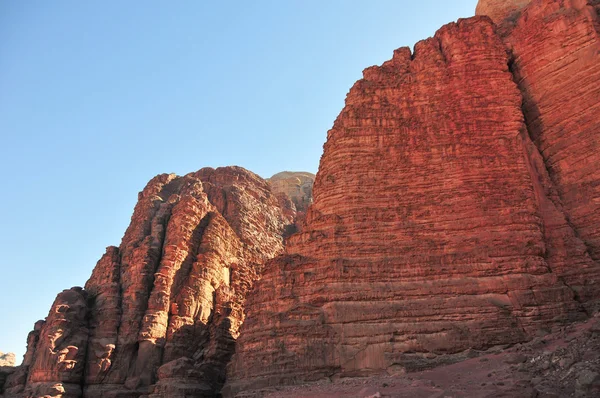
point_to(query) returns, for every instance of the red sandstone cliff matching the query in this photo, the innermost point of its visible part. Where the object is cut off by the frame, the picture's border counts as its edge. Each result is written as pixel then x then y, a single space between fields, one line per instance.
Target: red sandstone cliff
pixel 470 217
pixel 160 313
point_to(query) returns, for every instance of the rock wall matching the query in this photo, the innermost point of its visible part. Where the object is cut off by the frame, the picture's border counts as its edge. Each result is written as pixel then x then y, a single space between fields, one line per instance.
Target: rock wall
pixel 556 49
pixel 470 215
pixel 160 313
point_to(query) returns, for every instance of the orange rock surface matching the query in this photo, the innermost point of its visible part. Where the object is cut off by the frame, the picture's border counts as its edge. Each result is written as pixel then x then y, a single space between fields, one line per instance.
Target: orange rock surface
pixel 454 230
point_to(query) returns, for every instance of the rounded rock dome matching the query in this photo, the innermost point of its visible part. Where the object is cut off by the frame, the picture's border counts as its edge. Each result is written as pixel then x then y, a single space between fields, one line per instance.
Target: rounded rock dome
pixel 499 10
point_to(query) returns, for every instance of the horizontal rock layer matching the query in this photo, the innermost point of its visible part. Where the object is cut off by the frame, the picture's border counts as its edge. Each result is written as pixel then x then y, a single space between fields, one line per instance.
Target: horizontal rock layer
pixel 160 314
pixel 438 224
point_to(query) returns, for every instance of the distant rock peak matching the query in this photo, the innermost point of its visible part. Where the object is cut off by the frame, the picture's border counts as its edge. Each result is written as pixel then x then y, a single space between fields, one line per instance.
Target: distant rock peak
pixel 294 185
pixel 8 359
pixel 500 10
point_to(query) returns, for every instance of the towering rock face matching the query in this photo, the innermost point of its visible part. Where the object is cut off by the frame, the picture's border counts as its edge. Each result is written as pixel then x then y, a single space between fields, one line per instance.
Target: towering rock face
pixel 500 10
pixel 160 314
pixel 556 48
pixel 454 230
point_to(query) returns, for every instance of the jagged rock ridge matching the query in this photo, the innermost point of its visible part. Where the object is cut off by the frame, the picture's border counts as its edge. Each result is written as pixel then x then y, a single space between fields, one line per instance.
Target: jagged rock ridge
pixel 470 217
pixel 160 313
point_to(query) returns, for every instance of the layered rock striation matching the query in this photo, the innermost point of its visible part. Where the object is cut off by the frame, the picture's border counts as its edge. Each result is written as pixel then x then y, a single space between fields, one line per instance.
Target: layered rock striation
pixel 160 313
pixel 469 218
pixel 556 63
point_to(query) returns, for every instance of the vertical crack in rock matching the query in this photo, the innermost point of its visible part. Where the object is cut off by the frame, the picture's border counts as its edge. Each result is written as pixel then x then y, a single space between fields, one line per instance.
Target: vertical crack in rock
pixel 556 65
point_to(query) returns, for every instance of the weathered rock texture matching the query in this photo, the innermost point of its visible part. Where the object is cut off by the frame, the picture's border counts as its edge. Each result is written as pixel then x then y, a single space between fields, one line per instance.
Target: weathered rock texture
pixel 453 207
pixel 556 48
pixel 7 359
pixel 296 186
pixel 160 314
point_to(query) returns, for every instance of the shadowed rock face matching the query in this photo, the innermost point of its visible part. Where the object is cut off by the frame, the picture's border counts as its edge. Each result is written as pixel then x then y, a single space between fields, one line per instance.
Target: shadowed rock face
pixel 160 314
pixel 469 217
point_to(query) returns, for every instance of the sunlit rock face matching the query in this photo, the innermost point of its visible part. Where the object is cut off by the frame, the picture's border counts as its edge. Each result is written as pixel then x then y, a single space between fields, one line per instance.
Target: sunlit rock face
pixel 294 185
pixel 499 10
pixel 7 359
pixel 455 207
pixel 160 314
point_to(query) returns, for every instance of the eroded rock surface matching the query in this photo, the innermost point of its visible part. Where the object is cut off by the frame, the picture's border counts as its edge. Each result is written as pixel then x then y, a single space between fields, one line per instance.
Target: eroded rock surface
pixel 556 48
pixel 468 220
pixel 160 313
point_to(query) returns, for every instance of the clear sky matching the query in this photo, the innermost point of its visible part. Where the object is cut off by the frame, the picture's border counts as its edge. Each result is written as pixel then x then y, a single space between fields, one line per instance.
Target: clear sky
pixel 97 97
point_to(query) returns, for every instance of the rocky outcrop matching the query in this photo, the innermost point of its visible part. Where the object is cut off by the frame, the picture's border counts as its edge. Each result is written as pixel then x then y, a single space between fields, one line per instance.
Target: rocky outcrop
pixel 296 186
pixel 469 218
pixel 7 363
pixel 160 313
pixel 7 359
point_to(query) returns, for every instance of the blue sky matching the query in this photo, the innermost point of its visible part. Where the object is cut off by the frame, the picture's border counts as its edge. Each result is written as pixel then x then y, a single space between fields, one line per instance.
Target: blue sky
pixel 98 97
